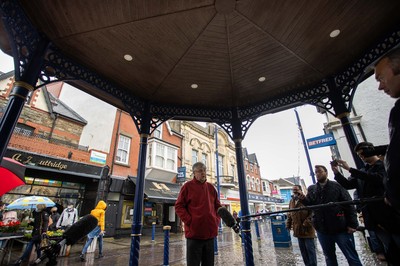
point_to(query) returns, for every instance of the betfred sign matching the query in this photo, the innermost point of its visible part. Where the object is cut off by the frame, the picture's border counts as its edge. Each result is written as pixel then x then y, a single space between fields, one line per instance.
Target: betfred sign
pixel 321 141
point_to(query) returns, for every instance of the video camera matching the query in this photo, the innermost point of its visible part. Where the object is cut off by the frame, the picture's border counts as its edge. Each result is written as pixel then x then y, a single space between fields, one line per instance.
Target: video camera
pixel 374 150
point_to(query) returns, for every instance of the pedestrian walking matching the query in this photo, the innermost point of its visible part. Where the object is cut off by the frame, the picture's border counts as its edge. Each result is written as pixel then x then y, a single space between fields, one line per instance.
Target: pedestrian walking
pixel 99 212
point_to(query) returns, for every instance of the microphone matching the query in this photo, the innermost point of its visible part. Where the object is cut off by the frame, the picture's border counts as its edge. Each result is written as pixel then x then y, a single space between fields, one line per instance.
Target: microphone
pixel 78 230
pixel 228 219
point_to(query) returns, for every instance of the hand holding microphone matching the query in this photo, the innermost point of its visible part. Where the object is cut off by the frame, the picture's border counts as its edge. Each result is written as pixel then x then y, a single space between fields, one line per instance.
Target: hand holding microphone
pixel 228 219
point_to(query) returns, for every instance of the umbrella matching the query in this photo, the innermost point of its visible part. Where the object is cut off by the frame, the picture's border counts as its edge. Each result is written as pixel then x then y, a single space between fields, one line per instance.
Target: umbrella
pixel 11 175
pixel 30 202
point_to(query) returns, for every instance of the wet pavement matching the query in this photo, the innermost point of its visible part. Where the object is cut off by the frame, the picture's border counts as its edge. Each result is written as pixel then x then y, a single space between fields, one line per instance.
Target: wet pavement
pixel 230 251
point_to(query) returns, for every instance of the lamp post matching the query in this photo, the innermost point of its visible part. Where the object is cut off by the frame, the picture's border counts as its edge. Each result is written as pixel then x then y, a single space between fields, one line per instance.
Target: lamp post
pixel 305 146
pixel 217 170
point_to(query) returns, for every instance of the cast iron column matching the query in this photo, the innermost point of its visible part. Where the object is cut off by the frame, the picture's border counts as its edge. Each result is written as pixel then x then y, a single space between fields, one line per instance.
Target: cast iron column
pixel 342 113
pixel 139 191
pixel 24 84
pixel 244 200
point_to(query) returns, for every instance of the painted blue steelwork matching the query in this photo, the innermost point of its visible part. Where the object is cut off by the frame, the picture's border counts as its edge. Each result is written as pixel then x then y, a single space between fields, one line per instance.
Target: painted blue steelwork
pixel 217 172
pixel 166 245
pixel 305 147
pixel 35 58
pixel 244 201
pixel 139 191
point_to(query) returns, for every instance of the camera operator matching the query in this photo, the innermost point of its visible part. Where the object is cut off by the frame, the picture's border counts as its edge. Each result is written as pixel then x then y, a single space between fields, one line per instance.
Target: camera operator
pixel 368 182
pixel 387 73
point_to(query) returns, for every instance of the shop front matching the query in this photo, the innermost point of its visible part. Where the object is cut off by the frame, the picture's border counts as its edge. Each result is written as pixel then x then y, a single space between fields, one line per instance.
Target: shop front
pixel 158 205
pixel 63 181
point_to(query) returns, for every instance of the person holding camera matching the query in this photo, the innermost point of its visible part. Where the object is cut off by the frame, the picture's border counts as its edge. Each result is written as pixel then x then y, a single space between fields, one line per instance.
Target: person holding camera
pixel 368 183
pixel 336 224
pixel 387 73
pixel 301 224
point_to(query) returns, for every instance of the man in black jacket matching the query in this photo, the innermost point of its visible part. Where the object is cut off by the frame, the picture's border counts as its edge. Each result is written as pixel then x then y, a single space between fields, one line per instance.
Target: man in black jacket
pixel 334 224
pixel 387 73
pixel 368 182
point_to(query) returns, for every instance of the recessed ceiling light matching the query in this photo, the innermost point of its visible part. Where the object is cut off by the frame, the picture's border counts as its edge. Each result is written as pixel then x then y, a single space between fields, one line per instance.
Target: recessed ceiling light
pixel 194 86
pixel 334 33
pixel 261 79
pixel 128 57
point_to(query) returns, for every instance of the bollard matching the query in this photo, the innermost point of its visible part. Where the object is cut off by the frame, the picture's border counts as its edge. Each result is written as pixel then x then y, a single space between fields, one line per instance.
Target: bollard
pixel 257 229
pixel 166 244
pixel 153 231
pixel 215 246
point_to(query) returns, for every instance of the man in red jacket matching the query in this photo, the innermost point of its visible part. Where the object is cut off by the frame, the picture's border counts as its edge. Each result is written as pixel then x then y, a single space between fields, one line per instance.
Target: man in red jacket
pixel 197 206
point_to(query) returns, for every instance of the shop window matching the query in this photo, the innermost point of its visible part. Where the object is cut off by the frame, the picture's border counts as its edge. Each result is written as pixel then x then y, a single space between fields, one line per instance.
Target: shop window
pixel 58 191
pixel 124 144
pixel 153 212
pixel 127 214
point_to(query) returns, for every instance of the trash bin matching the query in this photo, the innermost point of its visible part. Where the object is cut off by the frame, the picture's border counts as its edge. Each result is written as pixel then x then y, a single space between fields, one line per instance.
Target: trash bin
pixel 280 234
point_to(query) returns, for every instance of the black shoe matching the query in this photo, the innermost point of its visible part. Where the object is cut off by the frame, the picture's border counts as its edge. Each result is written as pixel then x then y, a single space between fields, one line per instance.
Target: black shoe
pixel 100 256
pixel 82 257
pixel 17 263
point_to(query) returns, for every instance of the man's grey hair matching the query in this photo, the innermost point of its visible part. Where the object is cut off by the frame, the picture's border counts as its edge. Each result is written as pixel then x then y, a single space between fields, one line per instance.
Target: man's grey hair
pixel 394 60
pixel 198 165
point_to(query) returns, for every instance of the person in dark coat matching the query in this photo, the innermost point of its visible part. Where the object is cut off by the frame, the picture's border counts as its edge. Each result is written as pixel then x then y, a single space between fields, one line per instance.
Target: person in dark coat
pixel 54 215
pixel 301 223
pixel 336 224
pixel 40 225
pixel 387 73
pixel 368 182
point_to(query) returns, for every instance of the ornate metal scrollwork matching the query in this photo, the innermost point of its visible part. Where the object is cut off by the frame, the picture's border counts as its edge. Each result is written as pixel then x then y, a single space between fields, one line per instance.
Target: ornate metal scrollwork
pixel 25 37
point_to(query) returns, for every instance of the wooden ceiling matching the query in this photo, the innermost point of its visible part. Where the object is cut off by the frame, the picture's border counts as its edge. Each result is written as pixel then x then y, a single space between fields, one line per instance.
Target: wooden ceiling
pixel 223 46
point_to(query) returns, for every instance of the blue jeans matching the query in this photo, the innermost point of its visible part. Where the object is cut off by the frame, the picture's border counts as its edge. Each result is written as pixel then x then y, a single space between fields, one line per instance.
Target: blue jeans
pixel 95 232
pixel 345 241
pixel 307 249
pixel 29 248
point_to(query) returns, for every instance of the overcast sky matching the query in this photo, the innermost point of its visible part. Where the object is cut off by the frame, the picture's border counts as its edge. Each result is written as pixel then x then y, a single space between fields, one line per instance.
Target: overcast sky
pixel 274 138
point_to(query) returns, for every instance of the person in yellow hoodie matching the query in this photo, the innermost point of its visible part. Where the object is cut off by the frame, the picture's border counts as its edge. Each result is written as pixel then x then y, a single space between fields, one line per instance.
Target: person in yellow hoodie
pixel 99 212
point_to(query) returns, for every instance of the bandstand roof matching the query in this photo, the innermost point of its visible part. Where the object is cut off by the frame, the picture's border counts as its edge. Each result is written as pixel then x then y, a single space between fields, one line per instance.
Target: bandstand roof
pixel 223 46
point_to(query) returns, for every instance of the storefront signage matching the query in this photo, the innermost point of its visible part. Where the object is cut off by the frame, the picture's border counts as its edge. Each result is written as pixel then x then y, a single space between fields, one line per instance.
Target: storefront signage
pixel 321 141
pixel 32 159
pixel 98 157
pixel 265 198
pixel 48 163
pixel 181 177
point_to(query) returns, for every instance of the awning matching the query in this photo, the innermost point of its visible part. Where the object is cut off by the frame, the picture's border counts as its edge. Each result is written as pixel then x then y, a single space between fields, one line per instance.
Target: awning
pixel 160 191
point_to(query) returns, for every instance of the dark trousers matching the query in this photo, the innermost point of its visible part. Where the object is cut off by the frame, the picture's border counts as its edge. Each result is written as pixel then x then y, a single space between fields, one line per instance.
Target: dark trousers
pixel 200 251
pixel 346 244
pixel 307 249
pixel 391 242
